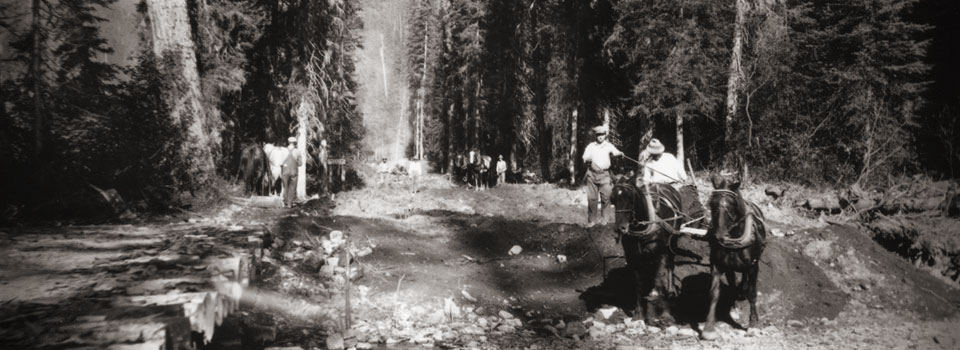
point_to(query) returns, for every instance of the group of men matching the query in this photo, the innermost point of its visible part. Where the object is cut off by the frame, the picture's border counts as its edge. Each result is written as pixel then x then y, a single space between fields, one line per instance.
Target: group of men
pixel 658 166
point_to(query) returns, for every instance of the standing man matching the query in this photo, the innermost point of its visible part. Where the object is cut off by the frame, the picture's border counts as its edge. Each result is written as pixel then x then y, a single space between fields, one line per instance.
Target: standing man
pixel 288 172
pixel 501 170
pixel 599 182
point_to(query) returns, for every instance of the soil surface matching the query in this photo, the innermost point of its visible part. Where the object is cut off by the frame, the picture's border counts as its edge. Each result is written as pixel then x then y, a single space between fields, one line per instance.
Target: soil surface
pixel 438 271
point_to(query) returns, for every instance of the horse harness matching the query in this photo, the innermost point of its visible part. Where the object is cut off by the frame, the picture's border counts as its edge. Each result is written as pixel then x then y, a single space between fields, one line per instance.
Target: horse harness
pixel 744 240
pixel 647 235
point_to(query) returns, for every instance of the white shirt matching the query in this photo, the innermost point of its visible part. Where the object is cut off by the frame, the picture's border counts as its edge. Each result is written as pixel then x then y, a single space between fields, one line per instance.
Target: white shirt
pixel 501 166
pixel 665 170
pixel 598 154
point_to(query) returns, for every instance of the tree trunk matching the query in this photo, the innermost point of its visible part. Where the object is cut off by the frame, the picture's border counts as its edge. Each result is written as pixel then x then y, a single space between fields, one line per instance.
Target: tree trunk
pixel 39 120
pixel 572 164
pixel 606 119
pixel 645 137
pixel 450 149
pixel 171 32
pixel 680 137
pixel 383 66
pixel 735 80
pixel 423 100
pixel 304 111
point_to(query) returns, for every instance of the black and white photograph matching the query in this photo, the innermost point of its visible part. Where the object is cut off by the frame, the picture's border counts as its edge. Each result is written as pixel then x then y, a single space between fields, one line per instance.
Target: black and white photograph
pixel 479 174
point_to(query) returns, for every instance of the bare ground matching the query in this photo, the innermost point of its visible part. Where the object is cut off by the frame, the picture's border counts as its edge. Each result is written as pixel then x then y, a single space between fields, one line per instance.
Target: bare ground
pixel 440 275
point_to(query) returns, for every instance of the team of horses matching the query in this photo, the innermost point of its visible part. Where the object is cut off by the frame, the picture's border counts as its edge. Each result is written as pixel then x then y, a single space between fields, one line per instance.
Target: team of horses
pixel 648 221
pixel 475 169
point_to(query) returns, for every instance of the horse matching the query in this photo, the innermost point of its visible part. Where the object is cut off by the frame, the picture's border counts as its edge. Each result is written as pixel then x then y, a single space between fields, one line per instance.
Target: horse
pixel 647 221
pixel 737 236
pixel 478 170
pixel 255 170
pixel 276 156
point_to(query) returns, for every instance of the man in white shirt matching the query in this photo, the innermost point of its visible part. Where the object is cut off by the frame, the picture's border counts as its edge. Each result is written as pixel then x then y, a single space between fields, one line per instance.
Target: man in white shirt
pixel 501 170
pixel 662 167
pixel 599 182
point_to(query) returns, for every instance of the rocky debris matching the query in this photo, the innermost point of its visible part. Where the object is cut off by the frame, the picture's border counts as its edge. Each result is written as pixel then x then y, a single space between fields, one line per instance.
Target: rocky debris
pixel 156 284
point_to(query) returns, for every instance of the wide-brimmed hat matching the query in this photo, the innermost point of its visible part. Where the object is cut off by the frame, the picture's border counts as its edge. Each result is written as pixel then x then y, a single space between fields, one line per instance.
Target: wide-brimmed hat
pixel 599 130
pixel 291 139
pixel 655 147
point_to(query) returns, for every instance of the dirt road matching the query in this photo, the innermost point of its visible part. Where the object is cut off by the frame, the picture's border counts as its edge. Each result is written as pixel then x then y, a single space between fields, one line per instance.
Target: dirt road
pixel 441 274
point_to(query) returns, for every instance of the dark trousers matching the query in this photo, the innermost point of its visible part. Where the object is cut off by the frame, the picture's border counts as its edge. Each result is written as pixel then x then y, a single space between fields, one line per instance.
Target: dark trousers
pixel 289 178
pixel 599 186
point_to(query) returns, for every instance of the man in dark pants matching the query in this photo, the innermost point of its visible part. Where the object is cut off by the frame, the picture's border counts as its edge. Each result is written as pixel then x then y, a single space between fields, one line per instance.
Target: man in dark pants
pixel 599 181
pixel 288 173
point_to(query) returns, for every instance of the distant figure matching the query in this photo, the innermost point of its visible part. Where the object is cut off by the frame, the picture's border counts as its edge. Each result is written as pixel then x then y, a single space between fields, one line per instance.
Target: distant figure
pixel 383 170
pixel 323 167
pixel 599 181
pixel 288 173
pixel 501 170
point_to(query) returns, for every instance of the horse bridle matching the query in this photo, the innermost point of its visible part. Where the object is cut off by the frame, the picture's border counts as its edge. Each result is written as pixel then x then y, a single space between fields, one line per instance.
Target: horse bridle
pixel 735 243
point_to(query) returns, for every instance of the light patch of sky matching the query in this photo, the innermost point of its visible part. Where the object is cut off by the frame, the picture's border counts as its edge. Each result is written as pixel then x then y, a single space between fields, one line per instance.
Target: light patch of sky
pixel 385 109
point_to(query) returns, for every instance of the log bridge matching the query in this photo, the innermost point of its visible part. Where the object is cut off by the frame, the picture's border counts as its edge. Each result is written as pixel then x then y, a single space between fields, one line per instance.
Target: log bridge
pixel 121 286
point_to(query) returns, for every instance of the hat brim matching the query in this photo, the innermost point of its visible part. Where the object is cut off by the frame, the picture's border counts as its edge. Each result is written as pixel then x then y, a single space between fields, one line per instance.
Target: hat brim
pixel 655 150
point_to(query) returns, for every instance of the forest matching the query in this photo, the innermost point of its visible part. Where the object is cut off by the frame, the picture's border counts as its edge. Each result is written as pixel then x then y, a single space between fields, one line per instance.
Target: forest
pixel 818 92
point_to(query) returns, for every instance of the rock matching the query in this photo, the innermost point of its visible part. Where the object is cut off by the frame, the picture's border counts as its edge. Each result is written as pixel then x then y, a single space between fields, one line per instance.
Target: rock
pixel 506 328
pixel 672 330
pixel 753 332
pixel 561 258
pixel 505 315
pixel 482 322
pixel 597 331
pixel 605 313
pixel 336 235
pixel 468 296
pixel 515 250
pixel 795 323
pixel 575 329
pixel 687 332
pixel 653 330
pixel 335 341
pixel 364 346
pixel 472 329
pixel 552 330
pixel 349 338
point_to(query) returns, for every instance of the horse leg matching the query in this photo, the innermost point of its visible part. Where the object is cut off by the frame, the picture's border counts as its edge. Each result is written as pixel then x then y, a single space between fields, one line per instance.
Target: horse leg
pixel 751 281
pixel 640 293
pixel 666 265
pixel 732 283
pixel 709 330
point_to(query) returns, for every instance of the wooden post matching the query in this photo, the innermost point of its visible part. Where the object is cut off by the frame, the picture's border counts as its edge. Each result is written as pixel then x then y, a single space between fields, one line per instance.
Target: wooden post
pixel 680 137
pixel 572 165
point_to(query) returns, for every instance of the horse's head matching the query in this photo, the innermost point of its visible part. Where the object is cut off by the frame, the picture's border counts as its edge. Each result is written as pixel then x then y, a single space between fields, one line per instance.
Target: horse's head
pixel 727 207
pixel 632 207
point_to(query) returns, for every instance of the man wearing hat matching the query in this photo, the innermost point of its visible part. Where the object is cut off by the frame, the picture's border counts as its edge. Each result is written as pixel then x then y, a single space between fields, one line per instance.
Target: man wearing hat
pixel 662 167
pixel 288 172
pixel 599 182
pixel 501 170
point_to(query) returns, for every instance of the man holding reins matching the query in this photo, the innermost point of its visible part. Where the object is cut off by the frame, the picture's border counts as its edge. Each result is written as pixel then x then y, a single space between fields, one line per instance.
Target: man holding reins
pixel 661 167
pixel 599 181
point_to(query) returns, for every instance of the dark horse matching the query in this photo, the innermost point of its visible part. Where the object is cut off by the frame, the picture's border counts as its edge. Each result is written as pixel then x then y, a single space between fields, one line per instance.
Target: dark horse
pixel 647 220
pixel 254 166
pixel 737 236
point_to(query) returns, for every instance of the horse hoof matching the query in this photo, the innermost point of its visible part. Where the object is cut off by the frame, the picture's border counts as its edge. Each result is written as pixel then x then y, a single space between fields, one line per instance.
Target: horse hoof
pixel 710 335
